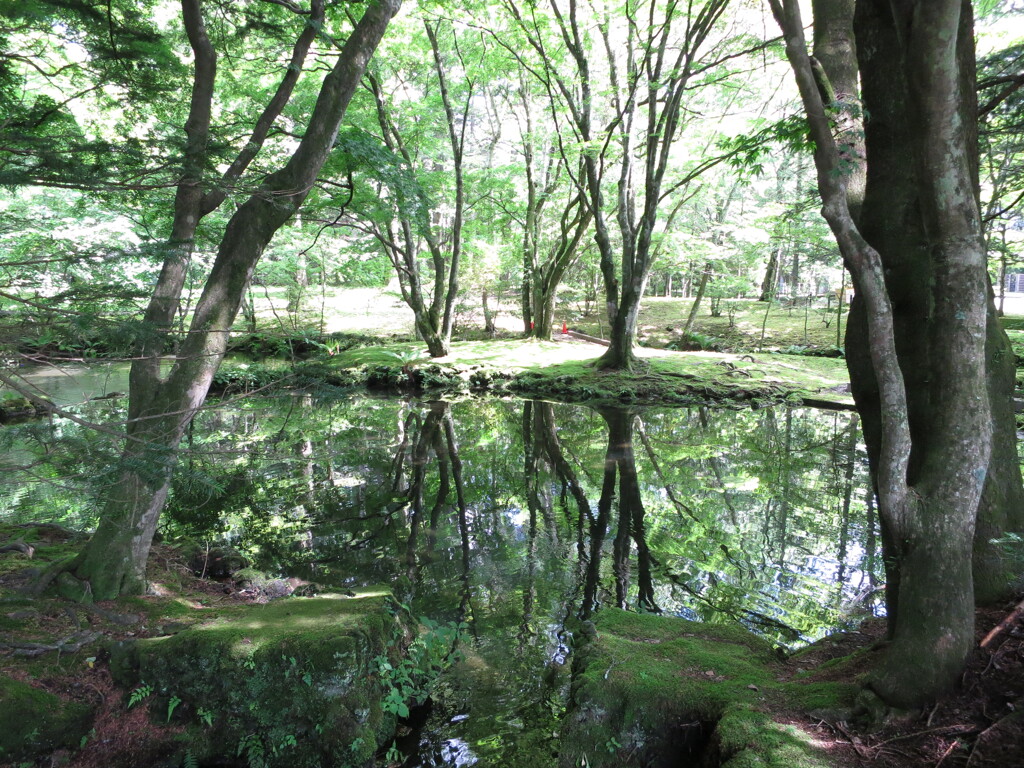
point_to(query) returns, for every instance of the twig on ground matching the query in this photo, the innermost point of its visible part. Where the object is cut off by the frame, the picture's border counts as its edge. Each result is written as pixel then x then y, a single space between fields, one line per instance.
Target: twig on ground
pixel 1003 625
pixel 947 753
pixel 954 730
pixel 861 752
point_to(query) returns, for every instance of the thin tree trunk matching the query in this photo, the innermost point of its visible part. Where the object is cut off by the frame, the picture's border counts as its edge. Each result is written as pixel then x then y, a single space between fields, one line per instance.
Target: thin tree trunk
pixel 705 275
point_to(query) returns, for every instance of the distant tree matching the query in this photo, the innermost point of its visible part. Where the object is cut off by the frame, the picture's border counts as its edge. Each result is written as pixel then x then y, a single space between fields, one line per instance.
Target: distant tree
pixel 631 71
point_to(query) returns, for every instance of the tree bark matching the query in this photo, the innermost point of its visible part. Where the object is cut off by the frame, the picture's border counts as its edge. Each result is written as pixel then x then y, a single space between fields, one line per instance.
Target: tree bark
pixel 768 285
pixel 892 220
pixel 705 275
pixel 927 508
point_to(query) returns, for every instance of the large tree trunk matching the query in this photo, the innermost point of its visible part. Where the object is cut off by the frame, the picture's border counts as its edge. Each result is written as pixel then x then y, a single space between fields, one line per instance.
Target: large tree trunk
pixel 892 221
pixel 928 486
pixel 160 409
pixel 622 337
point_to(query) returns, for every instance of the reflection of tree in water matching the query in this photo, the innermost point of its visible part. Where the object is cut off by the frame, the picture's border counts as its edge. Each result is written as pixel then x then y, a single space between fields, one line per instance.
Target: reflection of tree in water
pixel 630 530
pixel 546 467
pixel 434 435
pixel 522 515
pixel 546 463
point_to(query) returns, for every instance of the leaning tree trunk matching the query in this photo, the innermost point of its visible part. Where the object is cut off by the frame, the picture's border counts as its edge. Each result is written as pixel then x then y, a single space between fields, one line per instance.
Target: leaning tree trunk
pixel 929 513
pixel 160 409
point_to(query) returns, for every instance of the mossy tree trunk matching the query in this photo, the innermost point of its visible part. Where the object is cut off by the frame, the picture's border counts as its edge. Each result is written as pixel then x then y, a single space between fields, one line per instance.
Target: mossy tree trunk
pixel 892 220
pixel 161 407
pixel 889 215
pixel 927 506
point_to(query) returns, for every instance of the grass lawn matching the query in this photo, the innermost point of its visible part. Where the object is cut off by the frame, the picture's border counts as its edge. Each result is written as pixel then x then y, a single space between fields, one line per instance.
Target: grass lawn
pixel 738 326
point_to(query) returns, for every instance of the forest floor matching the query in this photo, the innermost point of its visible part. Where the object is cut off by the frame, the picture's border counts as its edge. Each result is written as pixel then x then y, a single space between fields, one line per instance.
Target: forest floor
pixel 563 369
pixel 742 324
pixel 980 725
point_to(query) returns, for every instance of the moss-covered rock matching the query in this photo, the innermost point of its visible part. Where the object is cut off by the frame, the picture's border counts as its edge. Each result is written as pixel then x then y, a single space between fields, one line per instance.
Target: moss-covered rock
pixel 298 682
pixel 34 722
pixel 652 691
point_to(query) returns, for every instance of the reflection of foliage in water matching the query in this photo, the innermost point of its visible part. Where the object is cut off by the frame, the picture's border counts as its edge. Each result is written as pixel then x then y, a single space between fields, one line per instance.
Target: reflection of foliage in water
pixel 742 514
pixel 54 470
pixel 517 517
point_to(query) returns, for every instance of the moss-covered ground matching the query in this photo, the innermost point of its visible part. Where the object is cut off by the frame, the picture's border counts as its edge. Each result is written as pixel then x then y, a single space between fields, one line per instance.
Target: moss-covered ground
pixel 297 682
pixel 564 370
pixel 737 326
pixel 662 691
pixel 195 671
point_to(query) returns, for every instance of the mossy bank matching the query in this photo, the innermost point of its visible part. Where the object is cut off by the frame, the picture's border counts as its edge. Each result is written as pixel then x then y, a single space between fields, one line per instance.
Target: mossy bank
pixel 561 371
pixel 662 691
pixel 297 682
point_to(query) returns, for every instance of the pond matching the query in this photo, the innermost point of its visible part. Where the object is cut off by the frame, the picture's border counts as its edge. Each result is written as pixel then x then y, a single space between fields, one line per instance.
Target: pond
pixel 516 518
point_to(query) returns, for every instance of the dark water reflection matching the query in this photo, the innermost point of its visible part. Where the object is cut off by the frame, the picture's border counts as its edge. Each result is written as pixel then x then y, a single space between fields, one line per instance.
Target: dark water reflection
pixel 520 518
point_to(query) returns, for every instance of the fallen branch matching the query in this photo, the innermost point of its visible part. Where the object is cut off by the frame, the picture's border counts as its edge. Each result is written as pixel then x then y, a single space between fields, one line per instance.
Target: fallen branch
pixel 947 753
pixel 1003 625
pixel 53 527
pixel 71 644
pixel 19 546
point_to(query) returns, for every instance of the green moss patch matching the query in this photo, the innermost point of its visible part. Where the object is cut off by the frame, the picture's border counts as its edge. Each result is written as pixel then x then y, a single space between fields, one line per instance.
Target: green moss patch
pixel 566 372
pixel 650 689
pixel 33 720
pixel 297 682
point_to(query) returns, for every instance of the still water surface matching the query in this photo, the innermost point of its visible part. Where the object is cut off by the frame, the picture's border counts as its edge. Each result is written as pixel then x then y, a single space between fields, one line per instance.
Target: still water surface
pixel 515 517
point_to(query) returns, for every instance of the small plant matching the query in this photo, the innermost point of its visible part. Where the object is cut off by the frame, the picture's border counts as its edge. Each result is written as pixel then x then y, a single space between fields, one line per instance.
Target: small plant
pixel 394 755
pixel 172 705
pixel 612 745
pixel 288 741
pixel 251 747
pixel 206 716
pixel 409 680
pixel 144 691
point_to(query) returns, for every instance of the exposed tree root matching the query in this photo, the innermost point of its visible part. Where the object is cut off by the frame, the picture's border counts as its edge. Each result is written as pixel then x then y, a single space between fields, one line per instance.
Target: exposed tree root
pixel 52 571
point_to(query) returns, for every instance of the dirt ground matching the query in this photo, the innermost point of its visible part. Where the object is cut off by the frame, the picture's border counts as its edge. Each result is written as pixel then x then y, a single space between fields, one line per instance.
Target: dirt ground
pixel 981 725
